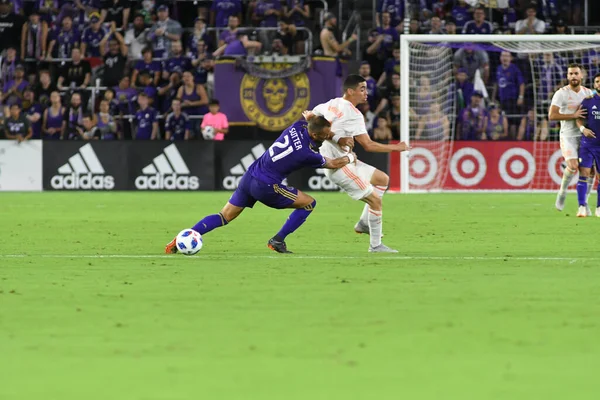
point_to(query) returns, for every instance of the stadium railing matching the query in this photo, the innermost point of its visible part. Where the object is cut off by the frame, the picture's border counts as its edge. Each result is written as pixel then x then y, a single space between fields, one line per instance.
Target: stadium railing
pixel 354 23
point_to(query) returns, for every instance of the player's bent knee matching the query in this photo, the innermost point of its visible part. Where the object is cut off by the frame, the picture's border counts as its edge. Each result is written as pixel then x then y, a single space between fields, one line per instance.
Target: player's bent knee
pixel 380 178
pixel 303 200
pixel 373 201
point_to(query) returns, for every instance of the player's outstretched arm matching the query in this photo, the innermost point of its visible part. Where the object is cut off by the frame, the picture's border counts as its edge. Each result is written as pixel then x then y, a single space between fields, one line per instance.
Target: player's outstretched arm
pixel 555 115
pixel 340 161
pixel 375 147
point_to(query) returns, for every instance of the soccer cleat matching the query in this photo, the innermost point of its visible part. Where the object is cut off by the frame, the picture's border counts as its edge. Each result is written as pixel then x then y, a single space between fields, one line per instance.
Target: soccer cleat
pixel 382 248
pixel 278 246
pixel 361 228
pixel 588 211
pixel 581 213
pixel 560 201
pixel 171 247
pixel 598 212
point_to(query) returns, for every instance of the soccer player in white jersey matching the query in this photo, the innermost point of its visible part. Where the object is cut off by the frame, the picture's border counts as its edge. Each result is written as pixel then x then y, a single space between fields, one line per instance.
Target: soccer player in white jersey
pixel 566 108
pixel 360 180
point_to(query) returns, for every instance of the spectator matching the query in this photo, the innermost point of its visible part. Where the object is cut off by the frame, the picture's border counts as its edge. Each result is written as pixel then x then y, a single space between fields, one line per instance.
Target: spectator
pixel 365 71
pixel 382 132
pixel 89 130
pixel 560 28
pixel 164 32
pixel 292 40
pixel 146 120
pixel 217 120
pixel 473 60
pixel 34 36
pixel 530 25
pixel 16 126
pixel 33 112
pixel 63 40
pixel 394 7
pixel 368 115
pixel 177 62
pixel 386 96
pixel 148 87
pixel 414 28
pixel 436 26
pixel 331 47
pixel 391 65
pixel 11 26
pixel 9 64
pixel 146 64
pixel 424 96
pixel 495 125
pixel 265 15
pixel 203 64
pixel 435 125
pixel 113 103
pixel 389 33
pixel 450 26
pixel 52 124
pixel 92 37
pixel 510 90
pixel 393 116
pixel 115 59
pixel 470 121
pixel 76 75
pixel 374 54
pixel 148 12
pixel 73 119
pixel 44 88
pixel 48 10
pixel 177 123
pixel 106 123
pixel 82 9
pixel 193 100
pixel 230 34
pixel 552 74
pixel 221 10
pixel 125 96
pixel 168 91
pixel 13 89
pixel 462 89
pixel 116 11
pixel 478 25
pixel 18 7
pixel 461 14
pixel 136 37
pixel 239 47
pixel 198 35
pixel 297 12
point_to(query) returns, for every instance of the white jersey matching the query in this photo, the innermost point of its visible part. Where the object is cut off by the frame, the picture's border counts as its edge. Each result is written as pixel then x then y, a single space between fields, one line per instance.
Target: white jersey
pixel 568 101
pixel 346 121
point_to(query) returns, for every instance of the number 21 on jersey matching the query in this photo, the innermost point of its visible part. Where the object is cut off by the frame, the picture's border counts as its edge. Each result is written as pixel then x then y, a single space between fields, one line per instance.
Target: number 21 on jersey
pixel 284 149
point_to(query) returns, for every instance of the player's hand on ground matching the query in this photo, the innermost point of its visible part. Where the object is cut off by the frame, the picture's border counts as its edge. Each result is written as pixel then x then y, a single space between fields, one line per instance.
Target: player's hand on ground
pixel 402 147
pixel 346 143
pixel 589 133
pixel 580 113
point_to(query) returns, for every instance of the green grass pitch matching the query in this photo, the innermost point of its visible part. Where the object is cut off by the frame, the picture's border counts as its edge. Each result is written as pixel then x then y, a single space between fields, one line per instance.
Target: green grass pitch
pixel 492 297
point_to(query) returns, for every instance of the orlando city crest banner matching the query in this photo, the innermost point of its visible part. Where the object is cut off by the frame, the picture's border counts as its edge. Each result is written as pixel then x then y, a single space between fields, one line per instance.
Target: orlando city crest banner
pixel 274 95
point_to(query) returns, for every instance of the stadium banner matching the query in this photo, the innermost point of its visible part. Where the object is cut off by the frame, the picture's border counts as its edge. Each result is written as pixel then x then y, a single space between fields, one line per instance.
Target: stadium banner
pixel 233 159
pixel 275 103
pixel 20 165
pixel 472 165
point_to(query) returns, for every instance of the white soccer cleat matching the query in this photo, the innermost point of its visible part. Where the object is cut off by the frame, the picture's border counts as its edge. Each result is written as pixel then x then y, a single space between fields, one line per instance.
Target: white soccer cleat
pixel 598 212
pixel 588 211
pixel 582 212
pixel 560 201
pixel 382 248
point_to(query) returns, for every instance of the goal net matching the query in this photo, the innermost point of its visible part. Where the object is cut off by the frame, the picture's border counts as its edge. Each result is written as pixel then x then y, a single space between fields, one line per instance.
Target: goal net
pixel 468 128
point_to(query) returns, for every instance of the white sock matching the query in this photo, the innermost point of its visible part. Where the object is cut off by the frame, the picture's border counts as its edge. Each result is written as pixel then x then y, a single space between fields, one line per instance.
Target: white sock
pixel 566 179
pixel 380 190
pixel 375 225
pixel 590 182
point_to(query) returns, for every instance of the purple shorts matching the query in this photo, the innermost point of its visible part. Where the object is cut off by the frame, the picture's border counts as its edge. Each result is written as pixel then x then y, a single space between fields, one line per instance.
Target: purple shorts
pixel 250 190
pixel 587 156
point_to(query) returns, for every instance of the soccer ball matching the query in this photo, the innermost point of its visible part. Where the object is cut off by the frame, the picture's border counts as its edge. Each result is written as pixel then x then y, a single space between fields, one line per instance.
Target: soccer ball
pixel 189 242
pixel 208 132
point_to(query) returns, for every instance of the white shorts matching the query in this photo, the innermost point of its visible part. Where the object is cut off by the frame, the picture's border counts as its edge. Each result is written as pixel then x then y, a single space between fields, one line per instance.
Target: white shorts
pixel 569 146
pixel 354 179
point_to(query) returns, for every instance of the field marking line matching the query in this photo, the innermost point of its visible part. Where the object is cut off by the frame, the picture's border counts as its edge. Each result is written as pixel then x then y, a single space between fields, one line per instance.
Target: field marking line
pixel 366 257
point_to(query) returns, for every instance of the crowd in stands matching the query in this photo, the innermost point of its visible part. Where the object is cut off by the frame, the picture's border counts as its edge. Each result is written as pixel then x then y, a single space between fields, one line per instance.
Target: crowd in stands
pixel 155 59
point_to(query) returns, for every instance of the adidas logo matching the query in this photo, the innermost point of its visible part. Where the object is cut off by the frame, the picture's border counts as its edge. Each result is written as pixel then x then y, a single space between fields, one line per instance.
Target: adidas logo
pixel 83 171
pixel 168 171
pixel 594 108
pixel 321 182
pixel 231 182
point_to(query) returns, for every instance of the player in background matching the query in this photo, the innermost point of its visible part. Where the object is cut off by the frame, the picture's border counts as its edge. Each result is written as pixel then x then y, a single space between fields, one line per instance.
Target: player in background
pixel 589 149
pixel 361 181
pixel 295 149
pixel 566 108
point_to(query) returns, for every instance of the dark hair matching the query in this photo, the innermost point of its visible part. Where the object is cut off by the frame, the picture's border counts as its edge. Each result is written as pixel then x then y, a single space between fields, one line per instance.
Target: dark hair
pixel 146 50
pixel 575 65
pixel 142 94
pixel 317 124
pixel 352 81
pixel 176 99
pixel 214 102
pixel 88 115
pixel 595 76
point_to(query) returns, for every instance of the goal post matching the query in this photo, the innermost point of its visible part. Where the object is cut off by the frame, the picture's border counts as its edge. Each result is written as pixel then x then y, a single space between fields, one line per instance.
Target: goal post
pixel 439 163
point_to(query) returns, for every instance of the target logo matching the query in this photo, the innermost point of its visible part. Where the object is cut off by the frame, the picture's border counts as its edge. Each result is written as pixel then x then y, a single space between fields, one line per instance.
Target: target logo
pixel 468 166
pixel 423 166
pixel 556 167
pixel 517 167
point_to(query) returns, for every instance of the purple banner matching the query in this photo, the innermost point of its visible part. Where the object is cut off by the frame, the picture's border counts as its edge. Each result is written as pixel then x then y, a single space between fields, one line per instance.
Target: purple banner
pixel 274 104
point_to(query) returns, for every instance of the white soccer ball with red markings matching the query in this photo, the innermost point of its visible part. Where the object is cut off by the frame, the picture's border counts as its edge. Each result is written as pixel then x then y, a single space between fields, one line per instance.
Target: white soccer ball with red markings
pixel 189 242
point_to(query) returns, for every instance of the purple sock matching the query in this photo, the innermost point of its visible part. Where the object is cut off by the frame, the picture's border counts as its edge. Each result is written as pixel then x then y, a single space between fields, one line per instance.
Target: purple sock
pixel 582 190
pixel 295 220
pixel 209 223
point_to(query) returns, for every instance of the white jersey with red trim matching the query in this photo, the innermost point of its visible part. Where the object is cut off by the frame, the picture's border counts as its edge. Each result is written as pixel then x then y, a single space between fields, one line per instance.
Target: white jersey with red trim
pixel 346 121
pixel 568 101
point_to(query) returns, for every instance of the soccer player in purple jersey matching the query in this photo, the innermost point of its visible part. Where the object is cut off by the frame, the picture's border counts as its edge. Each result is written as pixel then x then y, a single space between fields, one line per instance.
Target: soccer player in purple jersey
pixel 296 148
pixel 589 148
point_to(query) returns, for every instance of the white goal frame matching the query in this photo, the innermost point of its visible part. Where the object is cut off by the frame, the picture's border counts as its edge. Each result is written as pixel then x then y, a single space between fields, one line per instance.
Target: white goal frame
pixel 405 41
